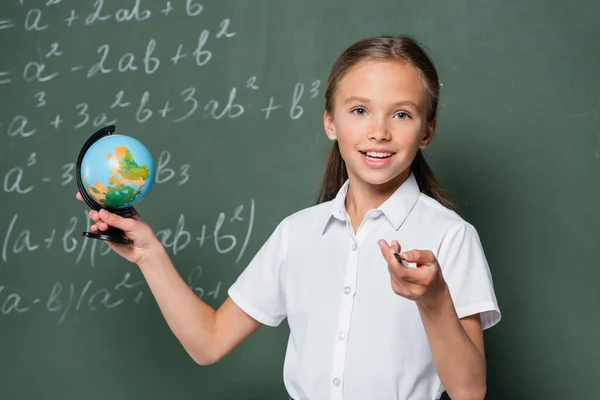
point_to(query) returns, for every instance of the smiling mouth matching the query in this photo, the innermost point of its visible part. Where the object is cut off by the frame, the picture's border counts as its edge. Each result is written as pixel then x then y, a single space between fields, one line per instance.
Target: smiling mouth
pixel 377 154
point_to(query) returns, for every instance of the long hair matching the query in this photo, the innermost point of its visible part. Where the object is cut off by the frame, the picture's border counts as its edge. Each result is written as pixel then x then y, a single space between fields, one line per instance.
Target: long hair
pixel 402 48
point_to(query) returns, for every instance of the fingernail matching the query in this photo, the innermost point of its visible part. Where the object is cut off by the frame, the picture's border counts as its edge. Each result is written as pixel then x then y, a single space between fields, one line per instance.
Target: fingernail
pixel 381 242
pixel 103 213
pixel 405 254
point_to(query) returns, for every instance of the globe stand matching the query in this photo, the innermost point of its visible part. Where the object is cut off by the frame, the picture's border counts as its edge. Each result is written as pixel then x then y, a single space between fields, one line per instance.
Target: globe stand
pixel 111 234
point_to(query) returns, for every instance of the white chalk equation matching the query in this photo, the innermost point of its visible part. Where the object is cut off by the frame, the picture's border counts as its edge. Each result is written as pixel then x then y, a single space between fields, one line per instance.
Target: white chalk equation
pixel 227 233
pixel 179 65
pixel 97 12
pixel 188 103
pixel 25 177
pixel 65 298
pixel 43 67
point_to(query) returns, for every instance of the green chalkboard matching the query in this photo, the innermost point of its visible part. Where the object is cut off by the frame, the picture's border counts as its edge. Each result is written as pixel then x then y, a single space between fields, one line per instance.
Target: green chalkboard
pixel 228 97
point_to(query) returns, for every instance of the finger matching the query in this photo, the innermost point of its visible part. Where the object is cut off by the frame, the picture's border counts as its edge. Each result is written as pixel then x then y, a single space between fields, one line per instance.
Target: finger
pixel 402 261
pixel 384 246
pixel 397 249
pixel 125 224
pixel 396 281
pixel 93 214
pixel 78 196
pixel 386 251
pixel 419 257
pixel 392 253
pixel 406 275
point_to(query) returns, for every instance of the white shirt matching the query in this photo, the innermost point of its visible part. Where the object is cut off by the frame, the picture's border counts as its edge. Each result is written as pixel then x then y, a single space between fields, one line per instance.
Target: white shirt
pixel 351 337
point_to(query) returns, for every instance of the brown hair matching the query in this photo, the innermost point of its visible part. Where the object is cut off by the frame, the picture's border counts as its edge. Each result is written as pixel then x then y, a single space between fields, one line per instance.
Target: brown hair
pixel 403 48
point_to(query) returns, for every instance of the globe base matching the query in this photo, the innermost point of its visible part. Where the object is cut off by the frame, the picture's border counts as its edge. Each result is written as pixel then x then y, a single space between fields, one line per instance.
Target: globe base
pixel 112 234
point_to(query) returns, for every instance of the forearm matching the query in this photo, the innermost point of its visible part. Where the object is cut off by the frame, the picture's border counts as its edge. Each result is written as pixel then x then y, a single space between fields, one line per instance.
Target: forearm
pixel 191 320
pixel 459 363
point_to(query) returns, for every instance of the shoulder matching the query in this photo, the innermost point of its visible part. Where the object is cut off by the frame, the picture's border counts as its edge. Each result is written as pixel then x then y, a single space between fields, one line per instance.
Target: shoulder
pixel 443 220
pixel 302 224
pixel 429 207
pixel 454 241
pixel 305 223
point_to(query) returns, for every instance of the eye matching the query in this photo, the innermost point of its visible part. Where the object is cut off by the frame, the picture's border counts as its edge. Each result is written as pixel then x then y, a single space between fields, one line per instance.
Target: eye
pixel 402 115
pixel 359 111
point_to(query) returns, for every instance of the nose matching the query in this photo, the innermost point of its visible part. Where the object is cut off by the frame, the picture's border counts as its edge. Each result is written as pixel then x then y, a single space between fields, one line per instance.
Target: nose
pixel 378 130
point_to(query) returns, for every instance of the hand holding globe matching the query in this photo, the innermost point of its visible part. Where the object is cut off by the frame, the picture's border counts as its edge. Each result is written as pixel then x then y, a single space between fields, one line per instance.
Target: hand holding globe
pixel 114 172
pixel 145 243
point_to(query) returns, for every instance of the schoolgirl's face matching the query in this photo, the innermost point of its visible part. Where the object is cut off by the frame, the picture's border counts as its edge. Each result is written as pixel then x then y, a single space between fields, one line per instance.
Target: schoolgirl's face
pixel 380 120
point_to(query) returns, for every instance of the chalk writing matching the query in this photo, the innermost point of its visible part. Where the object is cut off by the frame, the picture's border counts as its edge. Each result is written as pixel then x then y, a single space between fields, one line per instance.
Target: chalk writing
pixel 33 21
pixel 73 79
pixel 107 62
pixel 182 107
pixel 66 298
pixel 223 235
pixel 3 77
pixel 6 23
pixel 18 180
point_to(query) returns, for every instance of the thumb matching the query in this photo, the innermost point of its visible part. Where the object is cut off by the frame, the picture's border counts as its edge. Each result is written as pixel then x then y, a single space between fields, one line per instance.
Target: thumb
pixel 420 257
pixel 124 224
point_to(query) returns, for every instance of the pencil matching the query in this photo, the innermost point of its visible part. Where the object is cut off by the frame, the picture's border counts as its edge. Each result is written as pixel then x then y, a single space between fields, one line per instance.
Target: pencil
pixel 406 264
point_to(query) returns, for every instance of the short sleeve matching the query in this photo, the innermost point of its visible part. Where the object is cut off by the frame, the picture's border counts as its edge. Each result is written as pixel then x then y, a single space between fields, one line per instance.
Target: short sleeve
pixel 467 274
pixel 258 290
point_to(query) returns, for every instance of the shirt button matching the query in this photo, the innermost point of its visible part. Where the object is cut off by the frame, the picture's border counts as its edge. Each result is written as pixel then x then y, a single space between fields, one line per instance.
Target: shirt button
pixel 347 290
pixel 336 381
pixel 341 336
pixel 353 246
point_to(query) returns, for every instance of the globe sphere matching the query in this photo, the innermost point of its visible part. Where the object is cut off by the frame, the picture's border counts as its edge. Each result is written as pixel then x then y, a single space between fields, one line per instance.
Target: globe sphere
pixel 117 171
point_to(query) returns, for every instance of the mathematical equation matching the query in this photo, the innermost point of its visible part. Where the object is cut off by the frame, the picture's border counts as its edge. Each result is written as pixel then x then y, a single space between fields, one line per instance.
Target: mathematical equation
pixel 19 239
pixel 184 106
pixel 17 180
pixel 44 79
pixel 65 298
pixel 37 70
pixel 34 20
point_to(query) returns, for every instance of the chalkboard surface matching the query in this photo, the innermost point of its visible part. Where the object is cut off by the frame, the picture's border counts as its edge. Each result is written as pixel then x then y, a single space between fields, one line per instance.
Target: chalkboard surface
pixel 228 97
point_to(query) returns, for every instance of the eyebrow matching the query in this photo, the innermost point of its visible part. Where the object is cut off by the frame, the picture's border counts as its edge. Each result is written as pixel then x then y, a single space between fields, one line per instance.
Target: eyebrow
pixel 364 100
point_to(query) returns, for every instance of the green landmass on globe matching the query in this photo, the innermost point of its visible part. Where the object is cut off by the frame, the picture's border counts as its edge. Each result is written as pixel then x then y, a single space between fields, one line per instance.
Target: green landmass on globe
pixel 119 190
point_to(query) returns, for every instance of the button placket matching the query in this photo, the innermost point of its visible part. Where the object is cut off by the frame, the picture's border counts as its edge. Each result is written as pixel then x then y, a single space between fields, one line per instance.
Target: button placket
pixel 344 320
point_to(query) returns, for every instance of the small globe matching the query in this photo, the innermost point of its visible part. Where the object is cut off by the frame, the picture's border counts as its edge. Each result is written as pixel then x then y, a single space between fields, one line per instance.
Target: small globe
pixel 117 171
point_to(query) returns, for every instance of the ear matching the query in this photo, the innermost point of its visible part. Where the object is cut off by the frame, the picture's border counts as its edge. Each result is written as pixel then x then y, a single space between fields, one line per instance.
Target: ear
pixel 429 133
pixel 329 126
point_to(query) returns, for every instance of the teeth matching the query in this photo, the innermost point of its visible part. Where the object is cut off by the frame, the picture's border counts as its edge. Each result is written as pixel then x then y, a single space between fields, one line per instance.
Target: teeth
pixel 378 155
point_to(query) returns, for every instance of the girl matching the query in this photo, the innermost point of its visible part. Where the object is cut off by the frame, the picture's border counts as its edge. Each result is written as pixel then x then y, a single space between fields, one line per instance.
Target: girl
pixel 364 323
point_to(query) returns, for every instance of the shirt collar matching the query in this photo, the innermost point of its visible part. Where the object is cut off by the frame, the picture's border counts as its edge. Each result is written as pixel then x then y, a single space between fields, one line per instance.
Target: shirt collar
pixel 396 208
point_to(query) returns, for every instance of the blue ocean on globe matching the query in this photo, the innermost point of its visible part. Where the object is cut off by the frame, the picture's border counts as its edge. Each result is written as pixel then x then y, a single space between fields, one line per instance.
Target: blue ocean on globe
pixel 117 171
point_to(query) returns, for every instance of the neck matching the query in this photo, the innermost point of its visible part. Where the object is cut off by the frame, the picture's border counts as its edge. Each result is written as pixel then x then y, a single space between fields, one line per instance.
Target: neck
pixel 363 197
